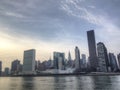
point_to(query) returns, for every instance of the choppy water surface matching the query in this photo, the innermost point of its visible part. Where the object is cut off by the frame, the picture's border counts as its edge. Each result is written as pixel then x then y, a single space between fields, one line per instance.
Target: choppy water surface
pixel 61 83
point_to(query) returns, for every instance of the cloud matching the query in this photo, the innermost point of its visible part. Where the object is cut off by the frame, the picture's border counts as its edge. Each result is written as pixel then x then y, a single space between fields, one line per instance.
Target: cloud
pixel 73 7
pixel 13 14
pixel 105 27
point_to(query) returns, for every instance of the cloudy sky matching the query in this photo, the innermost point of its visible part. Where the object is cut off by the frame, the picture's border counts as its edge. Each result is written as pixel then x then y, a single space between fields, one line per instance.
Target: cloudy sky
pixel 56 25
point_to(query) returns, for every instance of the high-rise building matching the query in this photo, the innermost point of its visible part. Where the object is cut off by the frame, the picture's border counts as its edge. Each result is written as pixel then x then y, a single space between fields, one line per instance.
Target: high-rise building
pixel 29 61
pixel 69 60
pixel 83 61
pixel 83 58
pixel 77 59
pixel 7 71
pixel 118 56
pixel 15 66
pixel 59 60
pixel 0 68
pixel 103 62
pixel 113 62
pixel 92 50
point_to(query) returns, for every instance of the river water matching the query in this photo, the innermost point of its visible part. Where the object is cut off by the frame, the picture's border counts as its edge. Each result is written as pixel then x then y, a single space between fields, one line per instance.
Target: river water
pixel 61 83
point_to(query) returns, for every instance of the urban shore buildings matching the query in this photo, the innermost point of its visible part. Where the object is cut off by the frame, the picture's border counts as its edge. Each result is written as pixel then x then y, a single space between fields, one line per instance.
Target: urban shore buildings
pixel 92 50
pixel 103 62
pixel 98 61
pixel 29 61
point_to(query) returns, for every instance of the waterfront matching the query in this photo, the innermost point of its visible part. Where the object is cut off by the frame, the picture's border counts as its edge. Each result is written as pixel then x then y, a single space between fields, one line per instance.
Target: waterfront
pixel 60 83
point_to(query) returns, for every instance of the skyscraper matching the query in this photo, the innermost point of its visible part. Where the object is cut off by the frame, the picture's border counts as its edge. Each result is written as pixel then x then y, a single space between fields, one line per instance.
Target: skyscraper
pixel 118 56
pixel 83 61
pixel 69 60
pixel 92 50
pixel 59 60
pixel 77 58
pixel 29 61
pixel 7 71
pixel 113 62
pixel 0 68
pixel 102 57
pixel 15 66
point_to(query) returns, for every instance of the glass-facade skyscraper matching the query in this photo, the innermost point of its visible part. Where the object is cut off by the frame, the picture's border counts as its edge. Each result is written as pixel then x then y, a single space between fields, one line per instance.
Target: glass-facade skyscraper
pixel 29 62
pixel 59 60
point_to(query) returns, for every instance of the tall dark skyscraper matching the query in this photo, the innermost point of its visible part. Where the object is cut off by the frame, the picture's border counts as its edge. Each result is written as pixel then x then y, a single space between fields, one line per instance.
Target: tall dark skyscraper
pixel 92 50
pixel 0 68
pixel 77 58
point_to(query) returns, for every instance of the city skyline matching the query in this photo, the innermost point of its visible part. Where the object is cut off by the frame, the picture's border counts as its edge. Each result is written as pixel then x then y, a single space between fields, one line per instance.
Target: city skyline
pixel 56 26
pixel 76 59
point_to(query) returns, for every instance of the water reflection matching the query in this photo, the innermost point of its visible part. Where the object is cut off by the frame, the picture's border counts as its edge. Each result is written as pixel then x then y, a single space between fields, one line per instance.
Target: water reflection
pixel 61 83
pixel 15 83
pixel 84 83
pixel 102 82
pixel 27 83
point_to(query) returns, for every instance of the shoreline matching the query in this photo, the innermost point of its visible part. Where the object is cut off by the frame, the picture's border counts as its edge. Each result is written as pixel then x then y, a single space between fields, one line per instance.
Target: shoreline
pixel 71 74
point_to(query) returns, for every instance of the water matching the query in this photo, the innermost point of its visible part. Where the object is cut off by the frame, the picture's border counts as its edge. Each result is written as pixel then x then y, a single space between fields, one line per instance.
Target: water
pixel 61 83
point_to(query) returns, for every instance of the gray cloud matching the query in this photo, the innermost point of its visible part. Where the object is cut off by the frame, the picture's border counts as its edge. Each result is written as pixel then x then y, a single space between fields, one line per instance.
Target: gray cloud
pixel 60 19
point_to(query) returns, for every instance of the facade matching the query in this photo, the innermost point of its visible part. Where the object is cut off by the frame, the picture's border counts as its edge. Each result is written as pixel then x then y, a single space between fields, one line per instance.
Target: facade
pixel 29 62
pixel 77 59
pixel 118 56
pixel 59 60
pixel 113 62
pixel 15 66
pixel 92 50
pixel 102 57
pixel 0 68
